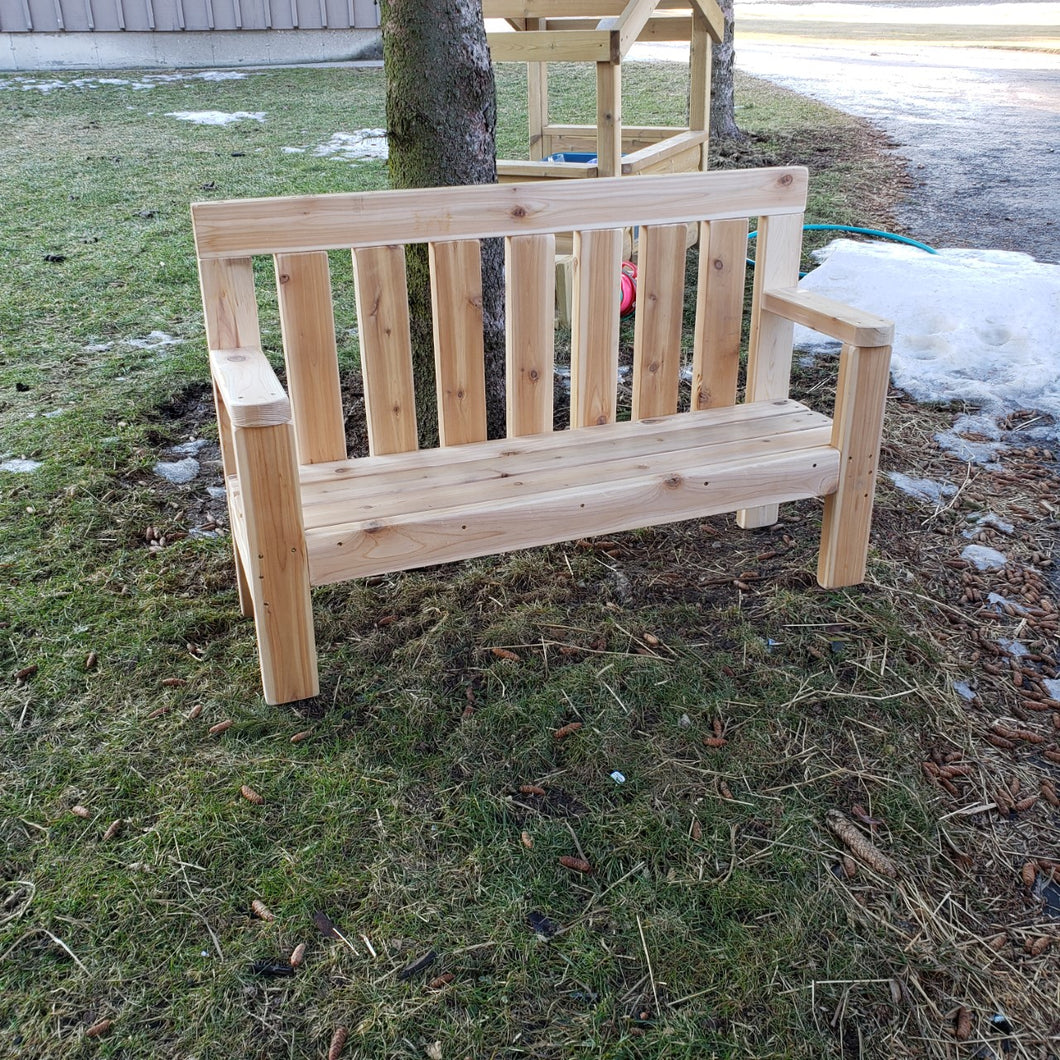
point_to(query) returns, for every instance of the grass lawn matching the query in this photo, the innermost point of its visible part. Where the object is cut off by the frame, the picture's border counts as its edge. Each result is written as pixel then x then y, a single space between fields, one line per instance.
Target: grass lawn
pixel 423 802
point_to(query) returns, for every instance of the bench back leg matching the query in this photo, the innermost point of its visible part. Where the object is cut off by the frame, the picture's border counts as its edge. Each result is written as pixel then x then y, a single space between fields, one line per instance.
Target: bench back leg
pixel 864 374
pixel 275 561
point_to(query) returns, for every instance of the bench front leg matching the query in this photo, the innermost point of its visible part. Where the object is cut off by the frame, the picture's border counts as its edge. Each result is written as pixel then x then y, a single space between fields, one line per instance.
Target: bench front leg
pixel 857 429
pixel 275 561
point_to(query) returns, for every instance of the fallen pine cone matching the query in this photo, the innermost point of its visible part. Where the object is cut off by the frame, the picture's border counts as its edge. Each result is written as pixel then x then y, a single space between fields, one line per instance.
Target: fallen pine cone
pixel 697 830
pixel 1049 793
pixel 650 639
pixel 850 866
pixel 298 955
pixel 261 910
pixel 715 741
pixel 566 730
pixel 1036 947
pixel 1025 804
pixel 841 826
pixel 724 790
pixel 526 840
pixel 221 726
pixel 80 811
pixel 338 1040
pixel 90 660
pixel 97 1030
pixel 26 673
pixel 194 712
pixel 575 864
pixel 962 1024
pixel 531 789
pixel 996 942
pixel 174 682
pixel 113 830
pixel 158 712
pixel 251 795
pixel 300 736
pixel 504 653
pixel 442 980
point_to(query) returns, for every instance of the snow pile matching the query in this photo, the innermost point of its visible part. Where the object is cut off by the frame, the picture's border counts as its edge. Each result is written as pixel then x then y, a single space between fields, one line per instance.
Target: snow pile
pixel 981 326
pixel 44 86
pixel 20 466
pixel 357 146
pixel 923 489
pixel 216 117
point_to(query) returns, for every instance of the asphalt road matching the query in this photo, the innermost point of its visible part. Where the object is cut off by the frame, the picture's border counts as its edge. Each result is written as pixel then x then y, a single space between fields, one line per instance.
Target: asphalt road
pixel 979 126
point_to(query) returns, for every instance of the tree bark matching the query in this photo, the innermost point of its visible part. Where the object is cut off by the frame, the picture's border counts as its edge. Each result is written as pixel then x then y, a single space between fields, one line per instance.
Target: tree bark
pixel 441 110
pixel 722 88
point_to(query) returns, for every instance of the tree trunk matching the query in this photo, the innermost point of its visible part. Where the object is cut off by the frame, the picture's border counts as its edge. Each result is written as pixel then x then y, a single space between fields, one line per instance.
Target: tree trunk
pixel 441 110
pixel 722 90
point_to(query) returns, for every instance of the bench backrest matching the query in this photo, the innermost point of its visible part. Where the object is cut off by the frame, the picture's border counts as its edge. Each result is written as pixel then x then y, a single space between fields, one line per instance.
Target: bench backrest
pixel 376 226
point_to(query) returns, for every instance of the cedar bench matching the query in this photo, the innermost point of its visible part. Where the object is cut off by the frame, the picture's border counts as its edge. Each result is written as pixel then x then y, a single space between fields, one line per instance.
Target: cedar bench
pixel 303 514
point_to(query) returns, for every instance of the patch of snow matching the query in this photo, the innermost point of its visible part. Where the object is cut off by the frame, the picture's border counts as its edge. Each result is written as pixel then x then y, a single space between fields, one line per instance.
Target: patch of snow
pixel 216 117
pixel 189 448
pixel 984 558
pixel 218 493
pixel 44 86
pixel 98 347
pixel 983 453
pixel 20 466
pixel 1052 686
pixel 179 472
pixel 970 325
pixel 1013 647
pixel 155 341
pixel 52 415
pixel 993 522
pixel 357 146
pixel 293 150
pixel 964 690
pixel 1000 602
pixel 923 489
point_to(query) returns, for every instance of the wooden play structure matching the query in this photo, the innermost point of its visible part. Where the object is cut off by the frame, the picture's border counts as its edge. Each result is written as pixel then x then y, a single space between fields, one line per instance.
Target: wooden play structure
pixel 602 32
pixel 304 514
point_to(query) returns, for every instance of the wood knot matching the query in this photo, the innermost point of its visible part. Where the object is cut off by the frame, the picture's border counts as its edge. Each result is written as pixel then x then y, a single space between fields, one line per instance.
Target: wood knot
pixel 718 264
pixel 533 375
pixel 518 211
pixel 672 482
pixel 285 277
pixel 786 179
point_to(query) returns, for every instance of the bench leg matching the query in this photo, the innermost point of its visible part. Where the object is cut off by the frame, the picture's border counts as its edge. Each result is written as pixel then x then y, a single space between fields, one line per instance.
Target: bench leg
pixel 864 373
pixel 275 563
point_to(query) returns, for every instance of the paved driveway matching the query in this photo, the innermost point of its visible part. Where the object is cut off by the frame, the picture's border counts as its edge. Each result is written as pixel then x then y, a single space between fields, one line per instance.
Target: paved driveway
pixel 980 125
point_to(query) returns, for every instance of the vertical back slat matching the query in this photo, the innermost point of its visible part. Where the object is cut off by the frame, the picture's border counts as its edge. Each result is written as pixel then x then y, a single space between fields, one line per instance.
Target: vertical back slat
pixel 719 313
pixel 530 279
pixel 230 312
pixel 230 306
pixel 594 326
pixel 660 313
pixel 303 285
pixel 779 248
pixel 386 348
pixel 609 119
pixel 456 303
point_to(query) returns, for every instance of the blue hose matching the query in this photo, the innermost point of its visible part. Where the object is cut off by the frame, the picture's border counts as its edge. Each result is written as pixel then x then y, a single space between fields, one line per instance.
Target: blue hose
pixel 859 231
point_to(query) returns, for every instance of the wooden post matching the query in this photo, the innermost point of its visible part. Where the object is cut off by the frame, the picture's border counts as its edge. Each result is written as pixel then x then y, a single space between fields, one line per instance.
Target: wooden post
pixel 277 565
pixel 699 80
pixel 537 102
pixel 769 350
pixel 856 431
pixel 609 118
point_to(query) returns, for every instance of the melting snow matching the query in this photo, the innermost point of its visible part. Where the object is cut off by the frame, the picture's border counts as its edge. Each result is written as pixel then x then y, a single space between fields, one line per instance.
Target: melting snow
pixel 351 147
pixel 216 117
pixel 984 558
pixel 1052 686
pixel 964 690
pixel 156 340
pixel 970 325
pixel 44 86
pixel 178 472
pixel 20 466
pixel 923 489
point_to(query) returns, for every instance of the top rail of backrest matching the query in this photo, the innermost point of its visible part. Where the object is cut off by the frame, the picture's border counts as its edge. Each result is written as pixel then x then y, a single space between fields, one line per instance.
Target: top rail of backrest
pixel 243 227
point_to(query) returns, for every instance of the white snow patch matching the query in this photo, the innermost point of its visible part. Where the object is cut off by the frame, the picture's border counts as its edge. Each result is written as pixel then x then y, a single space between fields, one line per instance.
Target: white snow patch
pixel 993 522
pixel 189 448
pixel 923 489
pixel 216 117
pixel 20 466
pixel 98 347
pixel 1015 648
pixel 154 341
pixel 1052 686
pixel 356 146
pixel 179 472
pixel 984 558
pixel 964 690
pixel 970 325
pixel 218 493
pixel 1000 601
pixel 44 86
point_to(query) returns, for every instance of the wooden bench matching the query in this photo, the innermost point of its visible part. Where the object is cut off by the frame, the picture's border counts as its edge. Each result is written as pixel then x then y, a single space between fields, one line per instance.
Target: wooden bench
pixel 303 514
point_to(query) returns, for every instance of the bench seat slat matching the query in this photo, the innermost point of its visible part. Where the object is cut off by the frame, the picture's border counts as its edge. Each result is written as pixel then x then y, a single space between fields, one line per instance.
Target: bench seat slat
pixel 426 537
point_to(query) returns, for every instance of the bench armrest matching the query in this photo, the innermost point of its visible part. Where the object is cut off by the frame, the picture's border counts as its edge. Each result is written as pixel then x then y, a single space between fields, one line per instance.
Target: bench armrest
pixel 829 317
pixel 249 388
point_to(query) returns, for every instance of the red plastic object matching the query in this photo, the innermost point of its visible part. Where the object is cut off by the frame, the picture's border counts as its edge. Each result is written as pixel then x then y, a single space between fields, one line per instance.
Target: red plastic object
pixel 629 287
